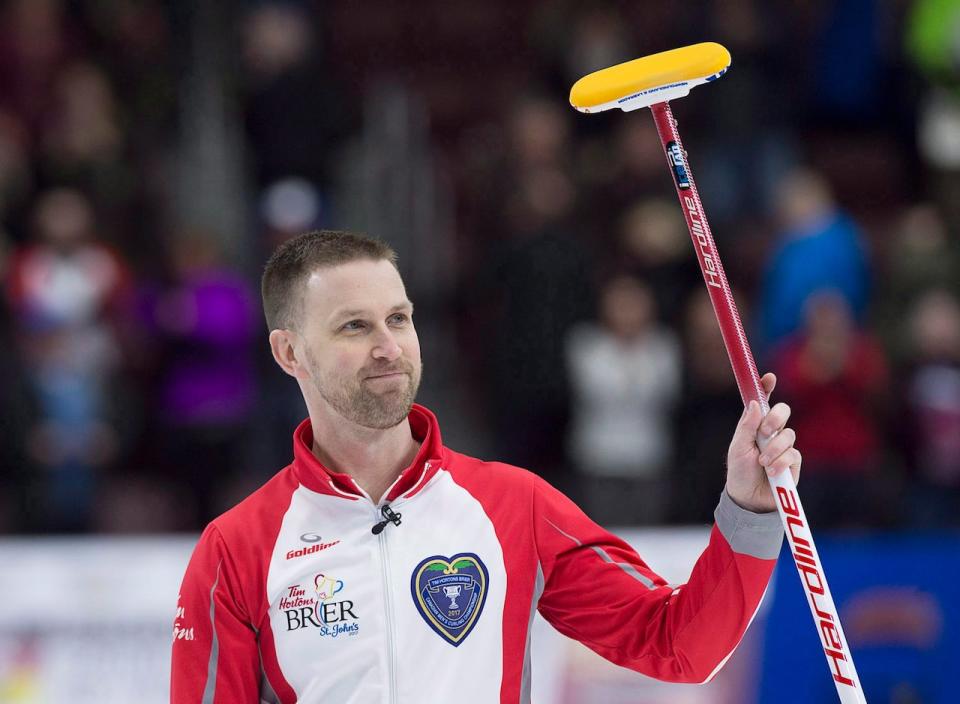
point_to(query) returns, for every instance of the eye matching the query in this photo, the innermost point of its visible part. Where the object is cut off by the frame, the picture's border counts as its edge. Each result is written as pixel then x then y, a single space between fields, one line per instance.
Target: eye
pixel 399 318
pixel 353 325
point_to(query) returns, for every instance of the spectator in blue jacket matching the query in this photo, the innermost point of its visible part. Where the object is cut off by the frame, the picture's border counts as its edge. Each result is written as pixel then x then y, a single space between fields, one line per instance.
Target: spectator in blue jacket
pixel 819 247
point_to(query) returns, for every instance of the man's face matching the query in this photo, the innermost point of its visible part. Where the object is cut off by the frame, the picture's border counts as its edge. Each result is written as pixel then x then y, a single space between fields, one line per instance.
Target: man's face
pixel 360 347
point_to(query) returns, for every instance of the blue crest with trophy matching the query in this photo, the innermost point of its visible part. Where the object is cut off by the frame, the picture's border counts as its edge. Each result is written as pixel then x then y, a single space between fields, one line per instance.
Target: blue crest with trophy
pixel 449 593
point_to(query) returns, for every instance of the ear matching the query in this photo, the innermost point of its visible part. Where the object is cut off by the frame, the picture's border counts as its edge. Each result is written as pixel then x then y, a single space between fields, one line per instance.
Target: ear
pixel 284 349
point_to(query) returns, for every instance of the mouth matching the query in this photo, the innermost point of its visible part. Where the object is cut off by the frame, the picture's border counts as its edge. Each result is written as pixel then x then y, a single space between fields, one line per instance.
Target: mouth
pixel 387 375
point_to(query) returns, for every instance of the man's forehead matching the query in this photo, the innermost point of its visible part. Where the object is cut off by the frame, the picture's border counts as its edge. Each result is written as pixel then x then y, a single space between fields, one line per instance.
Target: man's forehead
pixel 356 286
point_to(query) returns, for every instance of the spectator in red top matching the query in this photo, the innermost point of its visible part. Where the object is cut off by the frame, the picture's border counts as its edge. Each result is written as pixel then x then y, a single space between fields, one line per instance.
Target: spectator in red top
pixel 68 294
pixel 834 376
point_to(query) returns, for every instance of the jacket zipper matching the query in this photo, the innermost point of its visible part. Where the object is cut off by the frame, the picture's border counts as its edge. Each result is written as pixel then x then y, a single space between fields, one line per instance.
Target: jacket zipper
pixel 388 612
pixel 388 601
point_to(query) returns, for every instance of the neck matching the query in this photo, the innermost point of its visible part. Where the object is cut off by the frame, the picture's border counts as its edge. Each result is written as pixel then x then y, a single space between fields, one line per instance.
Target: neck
pixel 373 457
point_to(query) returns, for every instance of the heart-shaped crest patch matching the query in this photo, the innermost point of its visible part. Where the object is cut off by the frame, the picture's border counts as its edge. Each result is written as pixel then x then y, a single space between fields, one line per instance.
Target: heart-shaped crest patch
pixel 449 593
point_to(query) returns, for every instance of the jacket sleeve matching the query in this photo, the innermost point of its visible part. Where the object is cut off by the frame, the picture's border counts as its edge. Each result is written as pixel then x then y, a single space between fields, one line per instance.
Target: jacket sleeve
pixel 215 653
pixel 597 590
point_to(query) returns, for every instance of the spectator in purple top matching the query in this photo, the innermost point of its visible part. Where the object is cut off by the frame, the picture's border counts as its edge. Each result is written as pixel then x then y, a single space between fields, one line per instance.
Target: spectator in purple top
pixel 205 322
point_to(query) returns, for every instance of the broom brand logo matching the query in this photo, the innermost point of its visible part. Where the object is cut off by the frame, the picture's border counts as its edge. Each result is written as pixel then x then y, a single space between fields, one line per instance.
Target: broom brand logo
pixel 833 644
pixel 711 270
pixel 675 155
pixel 656 89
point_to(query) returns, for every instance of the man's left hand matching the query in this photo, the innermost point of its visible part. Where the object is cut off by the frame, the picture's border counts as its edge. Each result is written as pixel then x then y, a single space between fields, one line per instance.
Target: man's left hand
pixel 748 465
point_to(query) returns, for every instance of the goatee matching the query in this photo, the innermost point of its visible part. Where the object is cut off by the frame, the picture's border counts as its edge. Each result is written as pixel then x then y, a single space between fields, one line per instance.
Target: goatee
pixel 355 400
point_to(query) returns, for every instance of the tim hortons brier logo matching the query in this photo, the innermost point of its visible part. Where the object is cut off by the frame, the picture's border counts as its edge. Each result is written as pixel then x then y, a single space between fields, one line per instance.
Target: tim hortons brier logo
pixel 181 631
pixel 449 593
pixel 318 609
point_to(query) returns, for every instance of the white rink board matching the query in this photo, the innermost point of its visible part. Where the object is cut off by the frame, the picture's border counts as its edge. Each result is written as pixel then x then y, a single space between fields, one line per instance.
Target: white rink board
pixel 89 621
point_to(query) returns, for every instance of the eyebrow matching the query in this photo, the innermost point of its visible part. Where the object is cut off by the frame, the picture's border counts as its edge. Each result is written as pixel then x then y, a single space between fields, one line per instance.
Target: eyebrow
pixel 360 312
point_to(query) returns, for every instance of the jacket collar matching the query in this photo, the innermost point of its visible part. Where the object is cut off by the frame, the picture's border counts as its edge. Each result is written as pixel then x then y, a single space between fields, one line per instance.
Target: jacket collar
pixel 316 477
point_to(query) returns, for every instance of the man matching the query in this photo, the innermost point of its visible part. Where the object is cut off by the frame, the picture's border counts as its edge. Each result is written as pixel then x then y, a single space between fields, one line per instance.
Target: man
pixel 381 566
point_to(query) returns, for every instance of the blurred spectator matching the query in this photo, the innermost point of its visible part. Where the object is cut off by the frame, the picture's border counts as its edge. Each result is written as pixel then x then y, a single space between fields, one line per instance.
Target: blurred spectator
pixel 16 178
pixel 136 46
pixel 540 135
pixel 537 144
pixel 625 376
pixel 575 39
pixel 35 44
pixel 835 379
pixel 620 172
pixel 656 248
pixel 738 171
pixel 534 138
pixel 294 112
pixel 818 248
pixel 535 286
pixel 205 323
pixel 922 255
pixel 932 410
pixel 708 411
pixel 68 291
pixel 82 138
pixel 600 38
pixel 847 61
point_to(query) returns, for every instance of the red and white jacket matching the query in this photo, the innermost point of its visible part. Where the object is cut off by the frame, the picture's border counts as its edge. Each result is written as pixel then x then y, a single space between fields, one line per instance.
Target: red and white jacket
pixel 291 597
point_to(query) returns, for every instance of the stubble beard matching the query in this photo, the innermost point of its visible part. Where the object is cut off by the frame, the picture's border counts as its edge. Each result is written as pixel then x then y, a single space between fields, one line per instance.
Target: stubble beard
pixel 355 401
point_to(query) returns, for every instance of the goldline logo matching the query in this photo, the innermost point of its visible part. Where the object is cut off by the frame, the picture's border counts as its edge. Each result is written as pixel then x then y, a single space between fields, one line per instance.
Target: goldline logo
pixel 310 550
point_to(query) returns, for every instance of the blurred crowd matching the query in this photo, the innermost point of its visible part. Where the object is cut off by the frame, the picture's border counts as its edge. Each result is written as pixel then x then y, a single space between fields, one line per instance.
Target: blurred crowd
pixel 138 392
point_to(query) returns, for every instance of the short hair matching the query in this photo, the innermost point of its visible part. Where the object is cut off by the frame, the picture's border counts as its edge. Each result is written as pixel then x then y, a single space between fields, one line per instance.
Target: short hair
pixel 294 260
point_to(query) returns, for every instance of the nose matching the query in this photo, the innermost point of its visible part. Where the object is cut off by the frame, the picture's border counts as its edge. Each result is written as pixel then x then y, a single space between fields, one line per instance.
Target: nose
pixel 386 346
